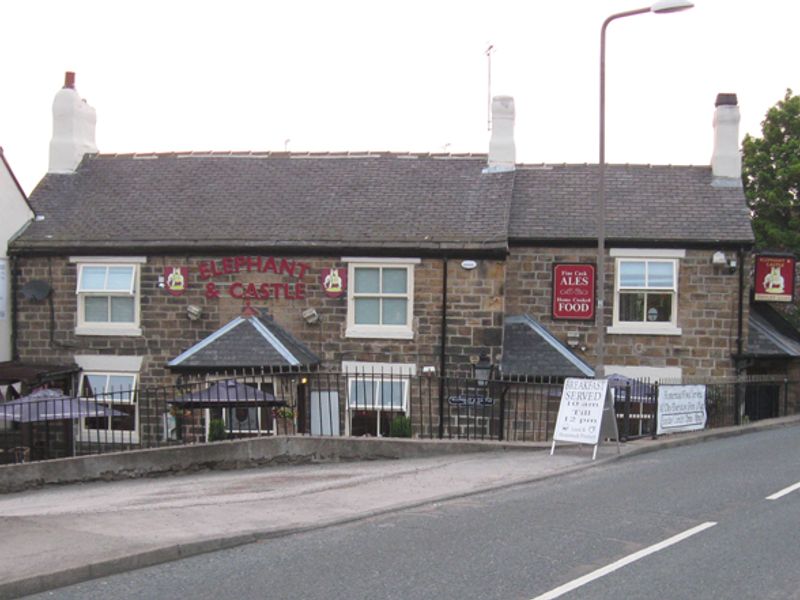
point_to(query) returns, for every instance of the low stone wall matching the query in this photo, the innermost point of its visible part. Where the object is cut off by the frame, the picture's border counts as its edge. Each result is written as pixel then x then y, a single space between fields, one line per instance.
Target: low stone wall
pixel 234 454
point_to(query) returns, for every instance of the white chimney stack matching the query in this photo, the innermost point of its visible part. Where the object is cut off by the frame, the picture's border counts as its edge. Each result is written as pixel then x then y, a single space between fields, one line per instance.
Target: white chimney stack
pixel 726 162
pixel 73 128
pixel 502 152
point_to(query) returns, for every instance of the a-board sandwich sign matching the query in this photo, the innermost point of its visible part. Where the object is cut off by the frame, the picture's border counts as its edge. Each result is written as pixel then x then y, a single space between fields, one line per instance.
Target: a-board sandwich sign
pixel 580 414
pixel 681 408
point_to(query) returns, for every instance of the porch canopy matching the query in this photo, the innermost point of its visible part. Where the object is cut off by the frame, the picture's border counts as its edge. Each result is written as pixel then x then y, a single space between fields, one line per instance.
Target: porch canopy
pixel 228 393
pixel 531 351
pixel 53 405
pixel 248 342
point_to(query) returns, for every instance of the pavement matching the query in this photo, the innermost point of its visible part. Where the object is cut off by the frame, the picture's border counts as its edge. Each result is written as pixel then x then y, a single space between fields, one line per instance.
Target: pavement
pixel 57 536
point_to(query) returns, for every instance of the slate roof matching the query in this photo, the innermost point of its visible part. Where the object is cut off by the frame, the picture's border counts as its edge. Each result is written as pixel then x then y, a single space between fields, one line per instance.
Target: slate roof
pixel 246 342
pixel 269 200
pixel 643 203
pixel 530 350
pixel 398 203
pixel 770 335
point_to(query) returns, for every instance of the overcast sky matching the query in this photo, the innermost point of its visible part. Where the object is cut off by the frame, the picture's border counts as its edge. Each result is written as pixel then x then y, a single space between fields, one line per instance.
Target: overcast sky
pixel 403 76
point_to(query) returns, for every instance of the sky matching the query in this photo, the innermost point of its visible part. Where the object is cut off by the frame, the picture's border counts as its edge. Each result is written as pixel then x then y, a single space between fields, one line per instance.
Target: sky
pixel 352 75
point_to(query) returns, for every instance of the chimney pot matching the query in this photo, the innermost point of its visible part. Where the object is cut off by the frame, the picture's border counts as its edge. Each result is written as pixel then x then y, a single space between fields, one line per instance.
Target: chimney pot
pixel 502 151
pixel 726 160
pixel 73 128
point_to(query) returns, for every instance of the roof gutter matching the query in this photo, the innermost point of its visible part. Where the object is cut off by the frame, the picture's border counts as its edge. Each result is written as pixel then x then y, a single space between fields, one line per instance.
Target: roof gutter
pixel 488 250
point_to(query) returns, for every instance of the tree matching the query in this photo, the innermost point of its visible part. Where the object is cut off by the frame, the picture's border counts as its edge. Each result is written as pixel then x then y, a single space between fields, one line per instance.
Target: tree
pixel 771 177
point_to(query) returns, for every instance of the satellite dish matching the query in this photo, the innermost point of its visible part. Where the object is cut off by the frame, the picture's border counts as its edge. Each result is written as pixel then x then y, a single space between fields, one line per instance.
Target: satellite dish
pixel 36 290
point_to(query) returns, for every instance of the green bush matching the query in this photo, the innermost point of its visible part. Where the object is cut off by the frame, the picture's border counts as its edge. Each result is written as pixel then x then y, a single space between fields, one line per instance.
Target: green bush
pixel 400 427
pixel 216 430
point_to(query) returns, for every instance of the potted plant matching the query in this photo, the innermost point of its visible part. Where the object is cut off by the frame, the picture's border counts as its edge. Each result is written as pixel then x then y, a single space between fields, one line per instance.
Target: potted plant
pixel 216 430
pixel 284 419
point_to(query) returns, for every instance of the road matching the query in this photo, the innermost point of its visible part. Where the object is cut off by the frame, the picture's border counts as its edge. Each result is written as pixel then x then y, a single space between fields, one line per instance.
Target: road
pixel 688 522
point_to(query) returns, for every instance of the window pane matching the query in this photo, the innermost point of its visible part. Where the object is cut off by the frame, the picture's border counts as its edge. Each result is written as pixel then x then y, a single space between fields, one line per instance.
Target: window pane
pixel 120 279
pixel 95 423
pixel 394 311
pixel 659 308
pixel 660 274
pixel 92 278
pixel 126 421
pixel 394 281
pixel 121 310
pixel 391 395
pixel 362 392
pixel 94 385
pixel 367 281
pixel 631 307
pixel 121 386
pixel 367 311
pixel 631 274
pixel 242 418
pixel 95 309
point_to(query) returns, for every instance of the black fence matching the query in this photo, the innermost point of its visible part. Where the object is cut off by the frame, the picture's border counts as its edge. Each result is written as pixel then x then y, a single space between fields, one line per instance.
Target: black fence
pixel 377 404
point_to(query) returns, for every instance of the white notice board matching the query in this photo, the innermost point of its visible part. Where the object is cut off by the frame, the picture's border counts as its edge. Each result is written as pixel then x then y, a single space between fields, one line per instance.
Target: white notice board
pixel 580 414
pixel 681 408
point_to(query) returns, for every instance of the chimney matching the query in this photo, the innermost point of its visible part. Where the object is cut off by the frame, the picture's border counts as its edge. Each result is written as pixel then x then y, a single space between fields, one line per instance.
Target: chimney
pixel 502 152
pixel 726 162
pixel 73 128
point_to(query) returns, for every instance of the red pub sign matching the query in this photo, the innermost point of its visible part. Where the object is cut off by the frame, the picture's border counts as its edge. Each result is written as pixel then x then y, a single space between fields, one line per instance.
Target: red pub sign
pixel 774 278
pixel 573 291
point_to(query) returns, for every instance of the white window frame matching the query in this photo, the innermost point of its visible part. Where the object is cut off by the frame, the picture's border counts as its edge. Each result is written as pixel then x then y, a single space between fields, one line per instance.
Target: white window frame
pixel 84 327
pixel 397 332
pixel 648 256
pixel 377 373
pixel 103 364
pixel 109 435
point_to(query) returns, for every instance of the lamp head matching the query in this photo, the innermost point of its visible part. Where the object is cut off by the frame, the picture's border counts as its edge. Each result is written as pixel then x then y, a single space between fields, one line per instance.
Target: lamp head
pixel 670 6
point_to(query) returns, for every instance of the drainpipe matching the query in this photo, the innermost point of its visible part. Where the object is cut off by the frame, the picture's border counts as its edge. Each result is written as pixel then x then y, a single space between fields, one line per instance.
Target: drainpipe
pixel 443 348
pixel 740 324
pixel 739 340
pixel 12 268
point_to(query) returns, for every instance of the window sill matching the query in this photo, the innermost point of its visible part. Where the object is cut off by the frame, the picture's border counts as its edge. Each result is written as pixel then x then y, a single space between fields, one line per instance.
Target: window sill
pixel 115 331
pixel 644 329
pixel 383 333
pixel 104 436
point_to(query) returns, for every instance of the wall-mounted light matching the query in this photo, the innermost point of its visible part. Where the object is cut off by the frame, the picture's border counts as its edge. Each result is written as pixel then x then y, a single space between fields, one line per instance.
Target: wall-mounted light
pixel 193 312
pixel 310 316
pixel 482 371
pixel 719 259
pixel 573 339
pixel 161 282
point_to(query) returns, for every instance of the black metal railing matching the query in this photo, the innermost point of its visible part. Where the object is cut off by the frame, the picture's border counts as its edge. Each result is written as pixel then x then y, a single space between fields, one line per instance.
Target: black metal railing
pixel 358 403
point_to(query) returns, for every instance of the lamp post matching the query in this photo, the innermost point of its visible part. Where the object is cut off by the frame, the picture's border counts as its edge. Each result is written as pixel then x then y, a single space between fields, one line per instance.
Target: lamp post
pixel 661 7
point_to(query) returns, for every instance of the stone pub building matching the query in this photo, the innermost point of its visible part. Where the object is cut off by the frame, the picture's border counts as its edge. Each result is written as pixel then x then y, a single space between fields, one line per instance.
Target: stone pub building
pixel 168 267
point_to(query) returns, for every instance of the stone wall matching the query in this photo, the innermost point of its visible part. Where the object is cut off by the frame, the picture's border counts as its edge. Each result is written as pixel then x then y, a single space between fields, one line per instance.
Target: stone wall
pixel 46 331
pixel 707 312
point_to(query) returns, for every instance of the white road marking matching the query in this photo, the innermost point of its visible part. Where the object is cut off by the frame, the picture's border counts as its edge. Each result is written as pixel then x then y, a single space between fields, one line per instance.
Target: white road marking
pixel 603 571
pixel 784 491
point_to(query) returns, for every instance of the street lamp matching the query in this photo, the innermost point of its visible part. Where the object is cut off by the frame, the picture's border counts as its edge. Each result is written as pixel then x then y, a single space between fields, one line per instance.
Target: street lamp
pixel 661 7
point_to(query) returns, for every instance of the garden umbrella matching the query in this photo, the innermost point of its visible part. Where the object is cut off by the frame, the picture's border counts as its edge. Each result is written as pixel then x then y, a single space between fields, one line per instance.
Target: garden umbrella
pixel 53 405
pixel 225 393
